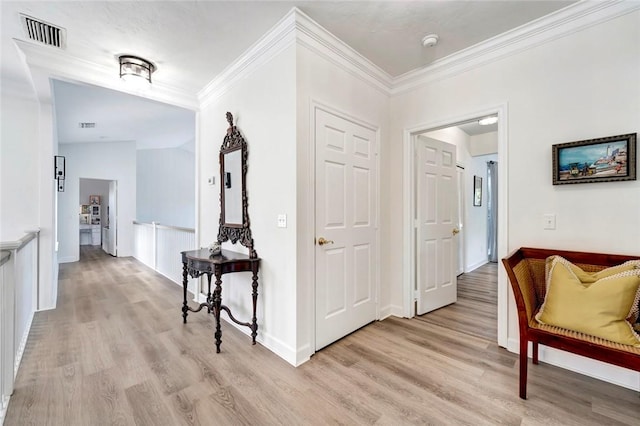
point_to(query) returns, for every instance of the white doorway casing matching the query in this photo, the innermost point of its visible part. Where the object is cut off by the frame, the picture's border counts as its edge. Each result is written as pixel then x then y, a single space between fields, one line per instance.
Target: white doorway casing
pixel 460 247
pixel 409 267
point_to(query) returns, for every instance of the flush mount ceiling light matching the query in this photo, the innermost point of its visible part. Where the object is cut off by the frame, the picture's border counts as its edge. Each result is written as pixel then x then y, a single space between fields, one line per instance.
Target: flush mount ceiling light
pixel 488 120
pixel 135 69
pixel 430 40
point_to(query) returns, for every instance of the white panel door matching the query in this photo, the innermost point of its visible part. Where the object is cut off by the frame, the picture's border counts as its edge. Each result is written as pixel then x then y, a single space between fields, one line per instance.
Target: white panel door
pixel 436 219
pixel 345 201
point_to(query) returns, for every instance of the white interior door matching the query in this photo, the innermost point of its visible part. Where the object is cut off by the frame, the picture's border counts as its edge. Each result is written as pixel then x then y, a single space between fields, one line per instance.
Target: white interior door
pixel 436 219
pixel 112 239
pixel 345 200
pixel 459 239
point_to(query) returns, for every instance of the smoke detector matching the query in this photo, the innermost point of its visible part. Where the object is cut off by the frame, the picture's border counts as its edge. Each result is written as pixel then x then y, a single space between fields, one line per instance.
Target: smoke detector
pixel 430 40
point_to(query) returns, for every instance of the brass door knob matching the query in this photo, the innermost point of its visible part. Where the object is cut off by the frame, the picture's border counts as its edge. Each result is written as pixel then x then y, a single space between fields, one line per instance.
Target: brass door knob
pixel 322 241
pixel 455 231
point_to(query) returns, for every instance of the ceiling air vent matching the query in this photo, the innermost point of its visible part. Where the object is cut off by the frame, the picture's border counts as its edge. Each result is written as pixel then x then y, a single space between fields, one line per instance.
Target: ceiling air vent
pixel 87 125
pixel 43 32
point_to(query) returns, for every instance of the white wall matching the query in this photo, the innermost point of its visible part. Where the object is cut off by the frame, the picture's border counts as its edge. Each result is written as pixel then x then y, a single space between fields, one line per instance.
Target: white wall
pixel 322 82
pixel 476 237
pixel 273 109
pixel 107 161
pixel 263 106
pixel 486 143
pixel 27 186
pixel 19 171
pixel 580 86
pixel 166 186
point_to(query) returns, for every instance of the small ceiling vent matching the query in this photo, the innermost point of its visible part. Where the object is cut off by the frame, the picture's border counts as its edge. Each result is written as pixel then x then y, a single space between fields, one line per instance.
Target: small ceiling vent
pixel 87 125
pixel 43 32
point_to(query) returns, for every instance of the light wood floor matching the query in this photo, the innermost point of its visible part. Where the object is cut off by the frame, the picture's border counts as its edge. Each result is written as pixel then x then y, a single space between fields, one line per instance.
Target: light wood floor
pixel 476 311
pixel 115 351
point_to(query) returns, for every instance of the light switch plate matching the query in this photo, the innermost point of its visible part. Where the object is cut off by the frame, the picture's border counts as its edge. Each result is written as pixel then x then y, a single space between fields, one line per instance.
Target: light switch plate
pixel 549 221
pixel 282 221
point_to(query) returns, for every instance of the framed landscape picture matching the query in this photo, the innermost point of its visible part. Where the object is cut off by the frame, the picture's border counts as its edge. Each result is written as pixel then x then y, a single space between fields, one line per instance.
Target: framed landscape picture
pixel 608 159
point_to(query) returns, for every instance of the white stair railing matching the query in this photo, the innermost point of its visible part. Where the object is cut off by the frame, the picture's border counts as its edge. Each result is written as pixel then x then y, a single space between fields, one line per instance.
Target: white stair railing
pixel 19 274
pixel 159 246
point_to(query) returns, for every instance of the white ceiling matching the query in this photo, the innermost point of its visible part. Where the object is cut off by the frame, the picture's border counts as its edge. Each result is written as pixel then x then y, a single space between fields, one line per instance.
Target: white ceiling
pixel 192 42
pixel 119 117
pixel 472 128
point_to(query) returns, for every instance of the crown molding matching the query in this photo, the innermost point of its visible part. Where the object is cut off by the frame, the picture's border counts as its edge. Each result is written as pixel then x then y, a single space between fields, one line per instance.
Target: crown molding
pixel 295 27
pixel 563 22
pixel 273 42
pixel 298 28
pixel 315 37
pixel 55 63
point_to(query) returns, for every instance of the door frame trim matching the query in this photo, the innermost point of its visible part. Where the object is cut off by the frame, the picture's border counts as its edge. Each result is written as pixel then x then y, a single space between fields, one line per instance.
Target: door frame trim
pixel 408 207
pixel 315 105
pixel 461 219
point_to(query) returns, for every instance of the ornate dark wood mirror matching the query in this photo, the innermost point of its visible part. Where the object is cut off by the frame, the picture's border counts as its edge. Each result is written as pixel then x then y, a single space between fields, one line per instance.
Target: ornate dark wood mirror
pixel 234 215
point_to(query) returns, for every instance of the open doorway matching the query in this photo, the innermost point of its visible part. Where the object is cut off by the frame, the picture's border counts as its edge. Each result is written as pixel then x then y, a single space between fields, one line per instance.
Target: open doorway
pixel 481 282
pixel 98 224
pixel 142 145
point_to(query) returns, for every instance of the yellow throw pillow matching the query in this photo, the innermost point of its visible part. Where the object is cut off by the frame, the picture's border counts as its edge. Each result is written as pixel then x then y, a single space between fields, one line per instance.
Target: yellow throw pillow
pixel 603 304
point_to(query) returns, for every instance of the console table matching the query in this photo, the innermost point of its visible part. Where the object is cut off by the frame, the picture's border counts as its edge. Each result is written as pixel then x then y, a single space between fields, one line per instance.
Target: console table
pixel 198 262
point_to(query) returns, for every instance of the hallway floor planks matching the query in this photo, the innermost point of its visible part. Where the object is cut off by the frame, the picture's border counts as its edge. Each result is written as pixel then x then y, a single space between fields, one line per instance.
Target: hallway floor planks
pixel 476 311
pixel 115 352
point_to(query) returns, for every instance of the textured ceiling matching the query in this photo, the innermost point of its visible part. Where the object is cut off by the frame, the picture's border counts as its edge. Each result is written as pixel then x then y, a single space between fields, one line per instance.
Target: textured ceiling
pixel 191 42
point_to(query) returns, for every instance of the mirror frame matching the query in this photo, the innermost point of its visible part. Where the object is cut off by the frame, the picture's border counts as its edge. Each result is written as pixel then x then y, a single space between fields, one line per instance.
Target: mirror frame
pixel 234 141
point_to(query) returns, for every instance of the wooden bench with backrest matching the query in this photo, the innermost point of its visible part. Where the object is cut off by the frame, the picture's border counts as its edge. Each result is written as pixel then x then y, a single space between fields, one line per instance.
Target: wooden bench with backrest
pixel 526 271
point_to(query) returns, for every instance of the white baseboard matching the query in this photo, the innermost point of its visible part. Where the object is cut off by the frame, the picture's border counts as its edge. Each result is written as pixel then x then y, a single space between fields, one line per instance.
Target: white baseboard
pixel 279 348
pixel 303 355
pixel 68 259
pixel 385 312
pixel 274 344
pixel 470 268
pixel 22 345
pixel 391 311
pixel 578 364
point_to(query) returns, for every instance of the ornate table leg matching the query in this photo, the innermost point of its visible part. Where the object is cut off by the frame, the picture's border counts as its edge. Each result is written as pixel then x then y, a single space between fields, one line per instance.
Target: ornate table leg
pixel 217 302
pixel 185 282
pixel 254 294
pixel 209 293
